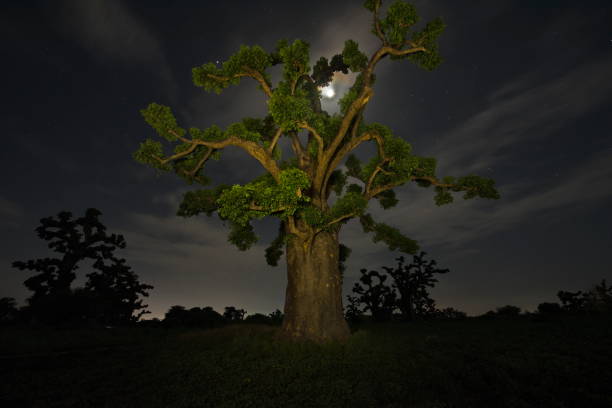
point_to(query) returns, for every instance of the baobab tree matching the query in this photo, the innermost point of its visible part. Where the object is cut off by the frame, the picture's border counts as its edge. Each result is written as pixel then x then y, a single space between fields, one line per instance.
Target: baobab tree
pixel 297 190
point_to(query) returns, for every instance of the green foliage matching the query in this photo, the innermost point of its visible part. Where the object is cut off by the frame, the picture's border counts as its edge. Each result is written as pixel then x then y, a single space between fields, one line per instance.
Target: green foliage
pixel 161 118
pixel 235 203
pixel 314 216
pixel 354 188
pixel 400 17
pixel 352 94
pixel 295 58
pixel 201 201
pixel 349 203
pixel 355 59
pixel 337 181
pixel 242 236
pixel 275 250
pixel 288 110
pixel 387 199
pixel 210 134
pixel 295 99
pixel 241 131
pixel 354 167
pixel 323 71
pixel 474 186
pixel 149 153
pixel 327 126
pixel 389 235
pixel 371 4
pixel 442 196
pixel 343 253
pixel 428 38
pixel 214 79
pixel 426 167
pixel 185 165
pixel 394 239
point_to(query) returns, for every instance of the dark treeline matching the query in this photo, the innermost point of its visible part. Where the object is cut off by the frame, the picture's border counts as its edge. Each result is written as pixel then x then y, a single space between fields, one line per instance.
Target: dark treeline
pixel 406 297
pixel 208 318
pixel 112 293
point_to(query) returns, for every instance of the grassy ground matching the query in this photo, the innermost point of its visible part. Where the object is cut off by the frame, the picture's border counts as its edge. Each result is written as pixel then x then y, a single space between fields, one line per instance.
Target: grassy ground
pixel 473 363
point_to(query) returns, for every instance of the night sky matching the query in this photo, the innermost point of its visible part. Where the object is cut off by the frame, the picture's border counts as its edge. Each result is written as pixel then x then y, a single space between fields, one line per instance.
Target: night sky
pixel 523 96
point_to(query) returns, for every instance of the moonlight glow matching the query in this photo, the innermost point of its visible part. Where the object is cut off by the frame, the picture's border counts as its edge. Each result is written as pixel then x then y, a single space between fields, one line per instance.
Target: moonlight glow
pixel 328 91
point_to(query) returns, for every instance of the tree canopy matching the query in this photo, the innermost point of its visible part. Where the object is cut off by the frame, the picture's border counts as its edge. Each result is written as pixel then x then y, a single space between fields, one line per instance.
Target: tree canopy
pixel 300 186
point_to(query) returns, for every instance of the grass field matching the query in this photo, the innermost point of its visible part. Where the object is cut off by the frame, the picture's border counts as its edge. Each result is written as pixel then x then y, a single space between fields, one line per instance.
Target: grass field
pixel 520 362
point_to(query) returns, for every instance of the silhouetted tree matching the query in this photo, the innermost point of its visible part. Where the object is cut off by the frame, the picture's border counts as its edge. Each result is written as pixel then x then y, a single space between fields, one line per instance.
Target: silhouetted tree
pixel 8 311
pixel 377 298
pixel 53 300
pixel 353 312
pixel 276 317
pixel 451 314
pixel 233 315
pixel 115 293
pixel 205 318
pixel 176 316
pixel 548 308
pixel 599 298
pixel 258 318
pixel 508 311
pixel 572 302
pixel 412 283
pixel 298 190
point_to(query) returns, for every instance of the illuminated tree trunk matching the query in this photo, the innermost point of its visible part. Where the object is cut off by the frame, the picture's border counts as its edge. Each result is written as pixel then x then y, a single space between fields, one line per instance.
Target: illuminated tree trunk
pixel 313 302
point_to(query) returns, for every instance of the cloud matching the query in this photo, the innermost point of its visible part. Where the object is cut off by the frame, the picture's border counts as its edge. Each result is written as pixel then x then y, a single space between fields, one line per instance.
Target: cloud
pixel 519 112
pixel 523 111
pixel 190 263
pixel 108 30
pixel 10 213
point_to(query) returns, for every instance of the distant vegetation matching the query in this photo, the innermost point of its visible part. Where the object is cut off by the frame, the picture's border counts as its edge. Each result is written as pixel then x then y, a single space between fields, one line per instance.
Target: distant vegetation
pixel 407 293
pixel 111 295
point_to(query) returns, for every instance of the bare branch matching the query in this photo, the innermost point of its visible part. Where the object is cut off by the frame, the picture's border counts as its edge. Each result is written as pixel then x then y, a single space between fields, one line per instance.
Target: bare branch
pixel 277 135
pixel 254 207
pixel 316 135
pixel 395 51
pixel 201 162
pixel 298 149
pixel 374 173
pixel 379 31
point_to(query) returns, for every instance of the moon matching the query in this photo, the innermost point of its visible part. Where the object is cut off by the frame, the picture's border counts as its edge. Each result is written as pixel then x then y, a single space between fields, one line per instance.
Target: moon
pixel 328 92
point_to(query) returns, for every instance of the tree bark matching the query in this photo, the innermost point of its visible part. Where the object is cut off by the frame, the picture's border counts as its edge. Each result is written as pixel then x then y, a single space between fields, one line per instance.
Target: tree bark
pixel 313 301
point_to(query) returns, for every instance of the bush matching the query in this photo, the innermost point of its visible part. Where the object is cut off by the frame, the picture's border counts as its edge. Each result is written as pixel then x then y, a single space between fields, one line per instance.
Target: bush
pixel 548 308
pixel 508 311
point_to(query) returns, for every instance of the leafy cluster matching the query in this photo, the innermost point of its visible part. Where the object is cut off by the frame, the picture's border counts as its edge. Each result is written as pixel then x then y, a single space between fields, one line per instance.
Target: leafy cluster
pixel 323 70
pixel 400 18
pixel 355 59
pixel 391 236
pixel 236 203
pixel 247 60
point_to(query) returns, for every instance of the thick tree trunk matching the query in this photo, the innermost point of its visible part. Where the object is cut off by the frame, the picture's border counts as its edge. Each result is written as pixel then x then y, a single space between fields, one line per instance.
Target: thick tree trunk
pixel 313 302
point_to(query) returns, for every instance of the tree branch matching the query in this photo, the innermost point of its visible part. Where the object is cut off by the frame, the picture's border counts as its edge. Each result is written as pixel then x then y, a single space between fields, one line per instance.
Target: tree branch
pixel 252 148
pixel 247 72
pixel 316 135
pixel 201 162
pixel 277 136
pixel 374 173
pixel 379 31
